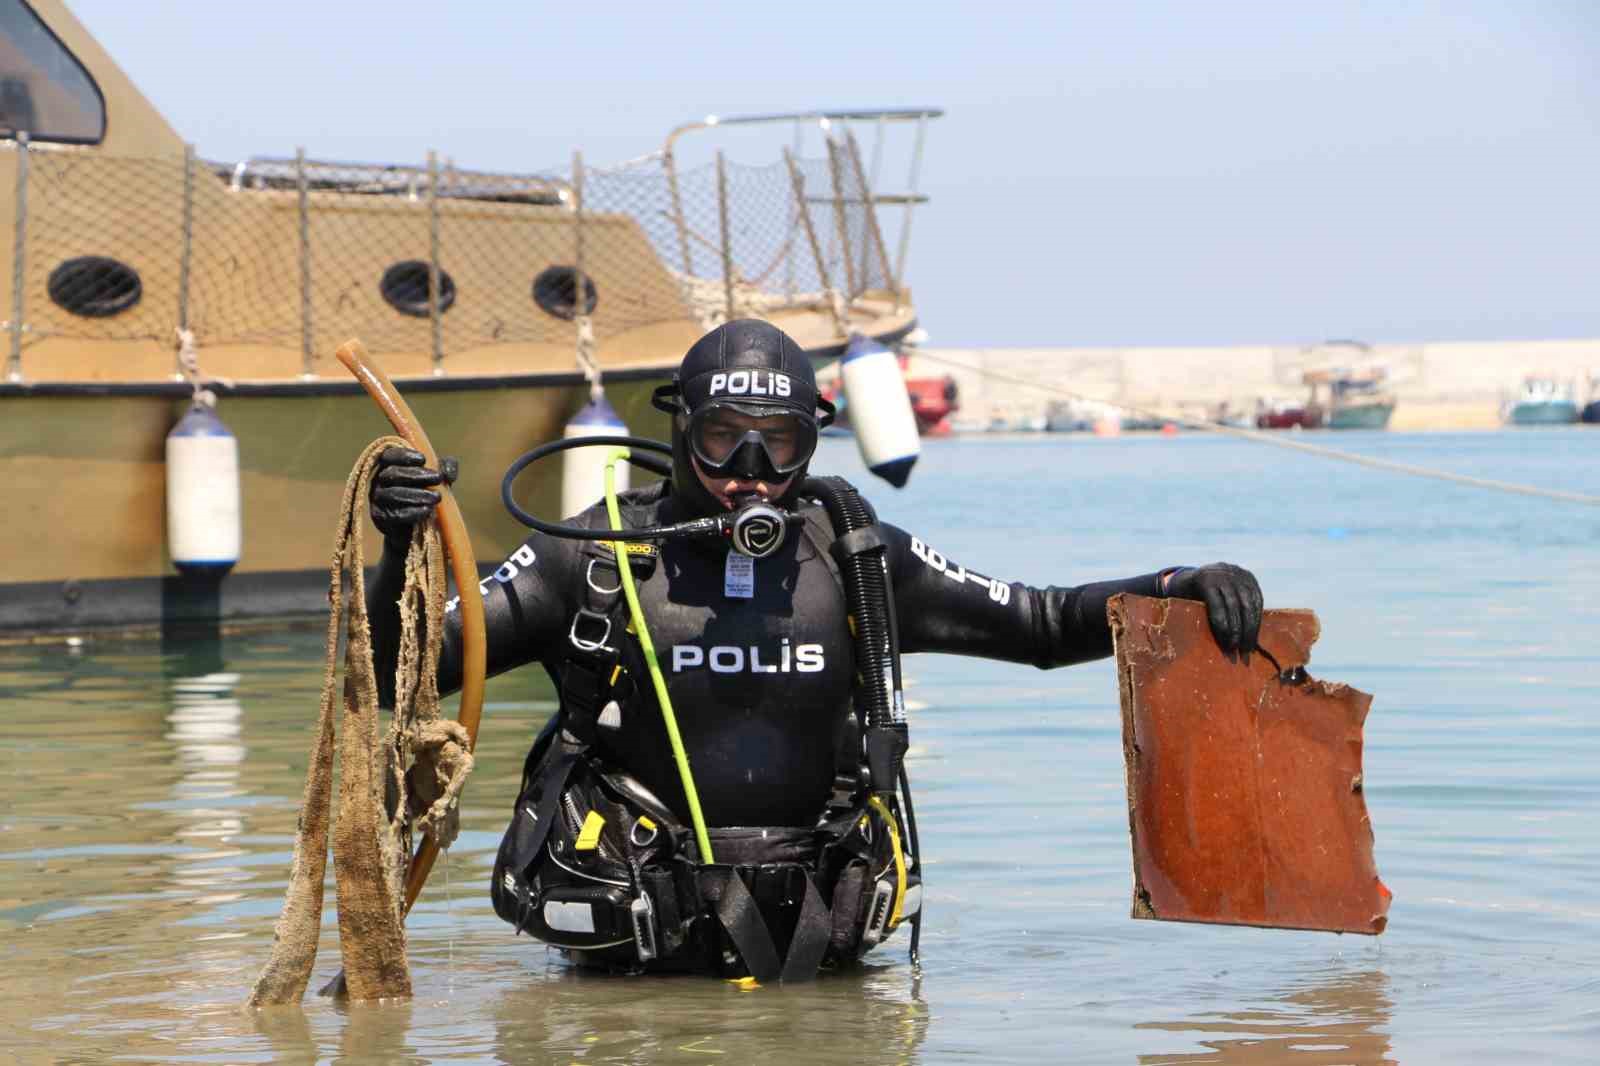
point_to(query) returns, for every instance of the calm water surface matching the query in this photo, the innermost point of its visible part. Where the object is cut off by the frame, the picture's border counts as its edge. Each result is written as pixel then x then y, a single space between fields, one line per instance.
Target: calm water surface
pixel 149 798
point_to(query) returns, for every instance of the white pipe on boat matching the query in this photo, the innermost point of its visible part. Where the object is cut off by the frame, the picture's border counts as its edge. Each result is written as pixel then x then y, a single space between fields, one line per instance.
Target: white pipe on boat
pixel 880 410
pixel 203 520
pixel 583 469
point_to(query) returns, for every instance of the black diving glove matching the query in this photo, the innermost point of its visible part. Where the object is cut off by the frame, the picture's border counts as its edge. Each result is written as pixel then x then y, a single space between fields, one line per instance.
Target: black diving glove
pixel 1232 597
pixel 402 493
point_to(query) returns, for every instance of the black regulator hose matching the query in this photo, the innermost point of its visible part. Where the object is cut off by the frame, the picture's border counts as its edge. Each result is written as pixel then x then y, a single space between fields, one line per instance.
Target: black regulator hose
pixel 754 527
pixel 697 527
pixel 862 555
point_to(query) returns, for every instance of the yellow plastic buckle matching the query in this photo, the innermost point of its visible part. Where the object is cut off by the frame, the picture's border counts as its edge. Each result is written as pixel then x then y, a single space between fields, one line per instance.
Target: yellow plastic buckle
pixel 589 835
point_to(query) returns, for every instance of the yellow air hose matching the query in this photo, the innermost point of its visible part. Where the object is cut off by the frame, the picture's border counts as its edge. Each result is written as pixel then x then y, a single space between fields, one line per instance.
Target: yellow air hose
pixel 882 808
pixel 637 614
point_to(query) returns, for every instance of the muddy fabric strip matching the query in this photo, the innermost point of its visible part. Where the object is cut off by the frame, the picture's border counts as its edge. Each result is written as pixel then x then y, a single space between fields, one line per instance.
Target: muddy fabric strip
pixel 380 799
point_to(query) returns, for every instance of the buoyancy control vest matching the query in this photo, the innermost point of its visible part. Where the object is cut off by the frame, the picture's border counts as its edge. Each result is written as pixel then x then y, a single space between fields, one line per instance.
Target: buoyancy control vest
pixel 596 862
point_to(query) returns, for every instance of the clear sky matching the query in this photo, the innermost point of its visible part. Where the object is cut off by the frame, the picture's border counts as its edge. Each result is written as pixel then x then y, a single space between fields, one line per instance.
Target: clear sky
pixel 1106 173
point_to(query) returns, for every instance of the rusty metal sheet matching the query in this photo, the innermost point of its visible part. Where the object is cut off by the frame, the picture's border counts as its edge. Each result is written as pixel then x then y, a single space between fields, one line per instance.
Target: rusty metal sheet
pixel 1244 779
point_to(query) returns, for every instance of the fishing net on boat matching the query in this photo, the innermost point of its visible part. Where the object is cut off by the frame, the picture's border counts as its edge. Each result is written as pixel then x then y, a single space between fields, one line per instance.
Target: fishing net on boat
pixel 263 261
pixel 390 786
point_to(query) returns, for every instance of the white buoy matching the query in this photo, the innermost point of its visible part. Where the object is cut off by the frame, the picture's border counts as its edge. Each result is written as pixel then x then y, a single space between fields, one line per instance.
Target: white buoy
pixel 583 469
pixel 203 524
pixel 880 410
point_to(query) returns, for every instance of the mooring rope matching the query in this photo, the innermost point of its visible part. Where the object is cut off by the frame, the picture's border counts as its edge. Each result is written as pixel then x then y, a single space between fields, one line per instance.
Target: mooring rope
pixel 1278 441
pixel 381 802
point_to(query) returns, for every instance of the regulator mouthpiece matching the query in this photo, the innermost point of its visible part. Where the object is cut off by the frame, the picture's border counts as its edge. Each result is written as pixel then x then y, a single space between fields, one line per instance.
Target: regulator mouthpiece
pixel 758 529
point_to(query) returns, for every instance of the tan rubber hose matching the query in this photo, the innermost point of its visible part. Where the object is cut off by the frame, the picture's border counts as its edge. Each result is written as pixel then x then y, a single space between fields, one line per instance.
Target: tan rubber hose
pixel 463 567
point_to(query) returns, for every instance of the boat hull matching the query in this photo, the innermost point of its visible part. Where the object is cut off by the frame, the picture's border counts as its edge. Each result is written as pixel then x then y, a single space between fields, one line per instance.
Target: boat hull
pixel 1591 412
pixel 1361 416
pixel 1545 413
pixel 1292 418
pixel 86 544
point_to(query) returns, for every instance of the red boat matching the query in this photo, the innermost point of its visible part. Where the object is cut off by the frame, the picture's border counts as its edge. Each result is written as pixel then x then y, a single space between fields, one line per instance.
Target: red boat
pixel 1288 414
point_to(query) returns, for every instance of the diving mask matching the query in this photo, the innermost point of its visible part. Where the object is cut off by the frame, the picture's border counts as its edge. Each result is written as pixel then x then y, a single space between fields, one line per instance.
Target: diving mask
pixel 750 443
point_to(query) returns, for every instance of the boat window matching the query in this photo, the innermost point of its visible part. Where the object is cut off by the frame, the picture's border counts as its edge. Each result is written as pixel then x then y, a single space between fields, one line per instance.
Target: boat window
pixel 556 291
pixel 405 286
pixel 43 88
pixel 95 286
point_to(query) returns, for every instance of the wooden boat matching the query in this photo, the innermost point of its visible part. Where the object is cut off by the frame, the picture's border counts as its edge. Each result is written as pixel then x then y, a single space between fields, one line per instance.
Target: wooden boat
pixel 137 272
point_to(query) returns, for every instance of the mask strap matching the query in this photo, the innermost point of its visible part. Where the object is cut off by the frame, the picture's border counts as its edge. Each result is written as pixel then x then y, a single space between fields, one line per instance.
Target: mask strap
pixel 667 398
pixel 825 419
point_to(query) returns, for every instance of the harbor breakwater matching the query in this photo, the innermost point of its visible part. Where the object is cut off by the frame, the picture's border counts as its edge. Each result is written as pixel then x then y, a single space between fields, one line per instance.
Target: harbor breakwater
pixel 1443 385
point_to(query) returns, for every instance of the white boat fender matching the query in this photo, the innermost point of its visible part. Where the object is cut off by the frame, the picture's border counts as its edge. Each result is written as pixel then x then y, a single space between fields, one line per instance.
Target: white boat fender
pixel 880 410
pixel 583 469
pixel 203 520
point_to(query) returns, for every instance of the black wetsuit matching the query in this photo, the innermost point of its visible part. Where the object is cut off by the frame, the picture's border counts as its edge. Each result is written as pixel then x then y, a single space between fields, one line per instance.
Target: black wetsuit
pixel 760 685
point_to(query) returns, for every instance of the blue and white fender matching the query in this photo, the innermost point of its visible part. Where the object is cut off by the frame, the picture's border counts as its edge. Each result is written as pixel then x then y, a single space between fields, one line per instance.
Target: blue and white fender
pixel 880 410
pixel 583 469
pixel 203 521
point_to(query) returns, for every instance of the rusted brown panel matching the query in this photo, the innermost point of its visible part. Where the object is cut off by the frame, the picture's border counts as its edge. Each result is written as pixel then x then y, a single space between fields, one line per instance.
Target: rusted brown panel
pixel 1244 785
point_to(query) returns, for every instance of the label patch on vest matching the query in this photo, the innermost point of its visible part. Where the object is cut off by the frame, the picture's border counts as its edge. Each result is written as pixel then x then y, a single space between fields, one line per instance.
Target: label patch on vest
pixel 739 577
pixel 730 659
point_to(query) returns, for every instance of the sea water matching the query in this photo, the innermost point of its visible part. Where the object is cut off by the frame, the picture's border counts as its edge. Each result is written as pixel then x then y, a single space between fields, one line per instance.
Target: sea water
pixel 148 795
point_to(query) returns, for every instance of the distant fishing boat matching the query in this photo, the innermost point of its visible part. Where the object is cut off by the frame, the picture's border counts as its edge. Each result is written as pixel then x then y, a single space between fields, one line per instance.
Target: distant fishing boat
pixel 1279 413
pixel 1067 416
pixel 1075 416
pixel 1095 416
pixel 933 401
pixel 1353 398
pixel 140 273
pixel 1542 401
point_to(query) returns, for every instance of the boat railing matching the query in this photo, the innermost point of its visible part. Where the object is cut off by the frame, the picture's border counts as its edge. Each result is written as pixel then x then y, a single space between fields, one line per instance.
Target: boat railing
pixel 297 253
pixel 851 189
pixel 391 179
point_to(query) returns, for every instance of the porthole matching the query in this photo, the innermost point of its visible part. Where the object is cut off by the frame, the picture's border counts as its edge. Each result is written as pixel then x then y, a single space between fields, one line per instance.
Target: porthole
pixel 405 287
pixel 95 286
pixel 556 291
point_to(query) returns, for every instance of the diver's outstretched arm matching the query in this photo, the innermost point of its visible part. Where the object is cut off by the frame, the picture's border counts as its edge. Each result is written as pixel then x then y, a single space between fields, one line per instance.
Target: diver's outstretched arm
pixel 943 606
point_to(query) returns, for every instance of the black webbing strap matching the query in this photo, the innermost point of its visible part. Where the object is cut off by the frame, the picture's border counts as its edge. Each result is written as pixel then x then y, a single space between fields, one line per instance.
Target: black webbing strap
pixel 530 828
pixel 545 796
pixel 740 917
pixel 741 920
pixel 810 940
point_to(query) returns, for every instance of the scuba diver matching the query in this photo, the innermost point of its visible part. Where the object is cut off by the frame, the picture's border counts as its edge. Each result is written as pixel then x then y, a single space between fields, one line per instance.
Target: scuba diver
pixel 721 789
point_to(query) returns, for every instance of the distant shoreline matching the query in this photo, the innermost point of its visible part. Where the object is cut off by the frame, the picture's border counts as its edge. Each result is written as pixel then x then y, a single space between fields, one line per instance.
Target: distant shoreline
pixel 1417 418
pixel 1444 386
